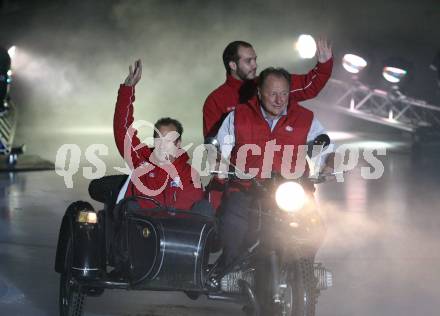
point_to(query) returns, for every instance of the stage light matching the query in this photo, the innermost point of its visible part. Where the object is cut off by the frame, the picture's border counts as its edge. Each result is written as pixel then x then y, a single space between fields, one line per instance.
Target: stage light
pixel 306 46
pixel 397 71
pixel 11 51
pixel 390 115
pixel 338 136
pixel 353 63
pixel 393 74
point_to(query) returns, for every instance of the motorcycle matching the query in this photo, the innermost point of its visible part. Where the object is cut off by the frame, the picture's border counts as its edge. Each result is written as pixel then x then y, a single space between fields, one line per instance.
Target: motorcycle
pixel 124 247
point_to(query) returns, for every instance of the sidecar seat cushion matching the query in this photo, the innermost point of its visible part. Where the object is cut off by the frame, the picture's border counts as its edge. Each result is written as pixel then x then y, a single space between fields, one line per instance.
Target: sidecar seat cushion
pixel 106 189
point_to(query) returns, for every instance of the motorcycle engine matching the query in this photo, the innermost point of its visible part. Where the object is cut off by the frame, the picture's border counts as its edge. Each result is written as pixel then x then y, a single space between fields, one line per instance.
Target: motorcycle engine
pixel 229 283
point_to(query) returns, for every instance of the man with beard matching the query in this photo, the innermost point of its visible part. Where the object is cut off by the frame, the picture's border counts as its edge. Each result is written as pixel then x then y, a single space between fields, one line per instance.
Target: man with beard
pixel 240 61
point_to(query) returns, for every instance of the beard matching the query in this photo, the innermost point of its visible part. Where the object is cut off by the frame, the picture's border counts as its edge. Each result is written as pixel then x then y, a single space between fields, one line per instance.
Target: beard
pixel 250 75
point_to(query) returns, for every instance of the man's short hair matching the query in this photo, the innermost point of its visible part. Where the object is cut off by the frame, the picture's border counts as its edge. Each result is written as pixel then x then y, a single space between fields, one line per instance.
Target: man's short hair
pixel 166 121
pixel 231 53
pixel 272 71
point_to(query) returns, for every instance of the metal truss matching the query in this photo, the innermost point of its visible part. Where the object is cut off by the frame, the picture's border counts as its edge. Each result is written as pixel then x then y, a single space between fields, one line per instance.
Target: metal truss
pixel 8 122
pixel 390 108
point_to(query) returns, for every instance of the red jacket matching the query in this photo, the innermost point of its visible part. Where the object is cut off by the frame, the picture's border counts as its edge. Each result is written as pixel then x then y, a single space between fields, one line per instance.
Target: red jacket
pixel 233 92
pixel 178 190
pixel 251 128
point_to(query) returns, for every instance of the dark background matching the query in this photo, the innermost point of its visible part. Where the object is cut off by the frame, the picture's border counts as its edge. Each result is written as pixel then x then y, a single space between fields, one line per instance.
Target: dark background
pixel 72 55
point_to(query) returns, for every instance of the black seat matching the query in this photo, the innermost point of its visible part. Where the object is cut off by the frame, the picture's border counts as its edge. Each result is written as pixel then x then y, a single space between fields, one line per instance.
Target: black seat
pixel 106 189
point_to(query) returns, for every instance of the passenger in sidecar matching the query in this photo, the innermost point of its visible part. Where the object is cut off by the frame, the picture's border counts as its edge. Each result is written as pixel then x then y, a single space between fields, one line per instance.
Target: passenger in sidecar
pixel 155 225
pixel 153 253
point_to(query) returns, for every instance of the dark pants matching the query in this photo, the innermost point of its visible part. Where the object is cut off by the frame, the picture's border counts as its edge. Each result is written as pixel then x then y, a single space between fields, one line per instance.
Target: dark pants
pixel 235 224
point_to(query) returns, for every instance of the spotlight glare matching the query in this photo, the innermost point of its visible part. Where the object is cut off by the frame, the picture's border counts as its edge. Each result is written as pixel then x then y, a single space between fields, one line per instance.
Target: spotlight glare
pixel 11 51
pixel 390 115
pixel 353 63
pixel 306 46
pixel 393 74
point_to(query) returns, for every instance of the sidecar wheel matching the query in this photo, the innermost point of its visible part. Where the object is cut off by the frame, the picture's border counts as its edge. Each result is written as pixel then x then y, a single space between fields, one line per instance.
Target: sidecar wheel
pixel 71 296
pixel 303 289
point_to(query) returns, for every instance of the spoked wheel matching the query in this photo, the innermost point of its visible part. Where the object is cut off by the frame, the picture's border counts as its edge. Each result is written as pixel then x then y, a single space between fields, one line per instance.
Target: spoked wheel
pixel 303 289
pixel 71 296
pixel 299 295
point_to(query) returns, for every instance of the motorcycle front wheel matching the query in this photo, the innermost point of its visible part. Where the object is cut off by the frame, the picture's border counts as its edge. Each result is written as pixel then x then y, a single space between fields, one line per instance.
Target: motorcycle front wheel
pixel 71 296
pixel 302 288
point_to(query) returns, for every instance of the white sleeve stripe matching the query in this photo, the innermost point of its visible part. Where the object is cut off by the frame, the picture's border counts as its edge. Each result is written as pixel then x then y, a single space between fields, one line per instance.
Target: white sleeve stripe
pixel 308 85
pixel 123 191
pixel 126 126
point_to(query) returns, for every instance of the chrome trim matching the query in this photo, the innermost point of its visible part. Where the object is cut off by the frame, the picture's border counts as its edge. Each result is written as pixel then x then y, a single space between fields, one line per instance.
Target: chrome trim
pixel 86 269
pixel 155 256
pixel 197 257
pixel 163 252
pixel 195 254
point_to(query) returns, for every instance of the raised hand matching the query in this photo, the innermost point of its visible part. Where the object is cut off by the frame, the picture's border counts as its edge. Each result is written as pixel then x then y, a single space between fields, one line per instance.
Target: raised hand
pixel 134 75
pixel 323 50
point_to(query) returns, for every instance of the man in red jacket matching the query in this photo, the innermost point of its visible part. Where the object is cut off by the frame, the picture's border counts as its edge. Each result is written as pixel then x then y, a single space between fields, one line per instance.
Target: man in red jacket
pixel 240 61
pixel 162 172
pixel 270 128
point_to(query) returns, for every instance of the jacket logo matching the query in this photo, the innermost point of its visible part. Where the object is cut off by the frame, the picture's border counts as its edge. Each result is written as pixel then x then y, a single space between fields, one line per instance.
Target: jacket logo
pixel 289 128
pixel 175 183
pixel 151 175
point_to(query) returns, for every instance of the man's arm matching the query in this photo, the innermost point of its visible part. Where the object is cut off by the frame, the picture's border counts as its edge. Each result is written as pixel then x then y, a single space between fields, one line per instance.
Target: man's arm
pixel 212 115
pixel 123 119
pixel 304 87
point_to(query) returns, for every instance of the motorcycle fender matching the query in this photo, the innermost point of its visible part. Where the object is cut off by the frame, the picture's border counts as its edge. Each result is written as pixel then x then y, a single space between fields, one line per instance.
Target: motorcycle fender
pixel 63 238
pixel 86 251
pixel 67 231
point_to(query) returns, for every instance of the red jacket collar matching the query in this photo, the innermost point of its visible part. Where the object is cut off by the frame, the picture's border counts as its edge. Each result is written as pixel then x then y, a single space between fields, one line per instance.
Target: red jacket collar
pixel 181 160
pixel 234 82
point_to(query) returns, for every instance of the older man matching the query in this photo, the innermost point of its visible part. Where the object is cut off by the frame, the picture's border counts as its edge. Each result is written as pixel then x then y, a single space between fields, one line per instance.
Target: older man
pixel 269 122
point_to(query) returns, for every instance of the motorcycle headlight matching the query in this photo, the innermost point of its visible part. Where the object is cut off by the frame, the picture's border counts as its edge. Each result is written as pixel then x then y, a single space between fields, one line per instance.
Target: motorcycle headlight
pixel 290 197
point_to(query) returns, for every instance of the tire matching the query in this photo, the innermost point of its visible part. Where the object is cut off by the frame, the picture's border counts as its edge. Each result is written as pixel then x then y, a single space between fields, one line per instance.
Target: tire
pixel 298 298
pixel 303 288
pixel 71 296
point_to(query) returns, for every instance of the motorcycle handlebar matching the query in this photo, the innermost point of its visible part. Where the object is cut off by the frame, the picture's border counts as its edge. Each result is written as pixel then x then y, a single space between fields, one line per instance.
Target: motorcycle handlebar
pixel 320 178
